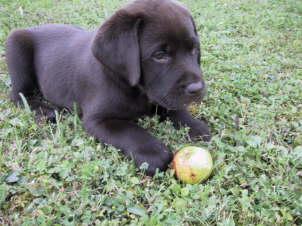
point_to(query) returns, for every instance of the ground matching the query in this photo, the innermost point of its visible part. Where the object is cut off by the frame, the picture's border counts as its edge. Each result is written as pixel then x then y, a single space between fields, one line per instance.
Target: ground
pixel 252 61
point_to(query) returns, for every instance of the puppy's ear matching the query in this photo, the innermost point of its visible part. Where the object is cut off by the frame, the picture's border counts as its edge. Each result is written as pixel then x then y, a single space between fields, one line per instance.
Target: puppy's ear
pixel 116 46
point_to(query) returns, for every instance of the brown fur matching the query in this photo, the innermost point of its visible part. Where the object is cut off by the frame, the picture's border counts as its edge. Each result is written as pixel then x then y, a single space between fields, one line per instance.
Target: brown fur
pixel 145 57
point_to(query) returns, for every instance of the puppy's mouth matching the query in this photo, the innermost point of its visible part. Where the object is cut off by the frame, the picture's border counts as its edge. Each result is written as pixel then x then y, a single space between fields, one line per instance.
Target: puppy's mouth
pixel 170 102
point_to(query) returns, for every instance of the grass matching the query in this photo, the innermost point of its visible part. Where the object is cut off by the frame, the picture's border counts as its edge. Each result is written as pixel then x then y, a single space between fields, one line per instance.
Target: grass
pixel 252 60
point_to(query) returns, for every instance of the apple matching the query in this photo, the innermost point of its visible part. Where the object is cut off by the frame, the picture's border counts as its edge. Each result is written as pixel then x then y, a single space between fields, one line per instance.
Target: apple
pixel 192 164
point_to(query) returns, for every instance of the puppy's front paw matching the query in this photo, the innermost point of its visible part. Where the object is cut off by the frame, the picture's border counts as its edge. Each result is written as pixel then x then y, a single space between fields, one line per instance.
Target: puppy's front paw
pixel 200 130
pixel 156 156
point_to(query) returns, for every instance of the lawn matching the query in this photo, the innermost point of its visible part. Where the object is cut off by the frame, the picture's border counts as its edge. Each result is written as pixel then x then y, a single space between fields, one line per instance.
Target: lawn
pixel 252 61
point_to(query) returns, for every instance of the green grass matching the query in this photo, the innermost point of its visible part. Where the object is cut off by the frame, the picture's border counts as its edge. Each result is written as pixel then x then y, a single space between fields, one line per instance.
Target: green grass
pixel 252 60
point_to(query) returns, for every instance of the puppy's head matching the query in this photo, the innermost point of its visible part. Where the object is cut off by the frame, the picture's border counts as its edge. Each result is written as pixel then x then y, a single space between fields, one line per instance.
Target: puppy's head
pixel 154 44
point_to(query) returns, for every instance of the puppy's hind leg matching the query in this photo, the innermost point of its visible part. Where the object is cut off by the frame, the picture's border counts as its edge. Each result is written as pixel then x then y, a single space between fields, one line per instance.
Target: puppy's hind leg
pixel 21 68
pixel 20 61
pixel 43 110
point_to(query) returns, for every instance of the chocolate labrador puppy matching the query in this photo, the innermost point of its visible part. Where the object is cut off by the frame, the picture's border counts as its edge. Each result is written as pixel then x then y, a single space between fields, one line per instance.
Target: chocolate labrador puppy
pixel 142 60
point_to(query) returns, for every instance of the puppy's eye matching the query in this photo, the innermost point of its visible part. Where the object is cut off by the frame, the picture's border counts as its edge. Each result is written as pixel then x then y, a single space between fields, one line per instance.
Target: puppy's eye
pixel 161 56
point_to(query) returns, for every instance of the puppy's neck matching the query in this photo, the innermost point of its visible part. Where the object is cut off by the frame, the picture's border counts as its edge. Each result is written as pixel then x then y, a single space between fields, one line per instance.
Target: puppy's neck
pixel 121 84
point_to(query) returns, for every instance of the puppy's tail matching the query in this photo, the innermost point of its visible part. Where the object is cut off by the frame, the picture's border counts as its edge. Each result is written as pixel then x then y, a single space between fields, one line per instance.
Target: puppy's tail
pixel 20 61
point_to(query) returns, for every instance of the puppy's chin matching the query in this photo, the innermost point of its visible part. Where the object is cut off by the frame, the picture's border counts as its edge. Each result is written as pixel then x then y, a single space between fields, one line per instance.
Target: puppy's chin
pixel 174 103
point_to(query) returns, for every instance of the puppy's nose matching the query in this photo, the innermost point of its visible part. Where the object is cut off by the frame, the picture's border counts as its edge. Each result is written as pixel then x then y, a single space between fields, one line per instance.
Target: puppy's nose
pixel 194 88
